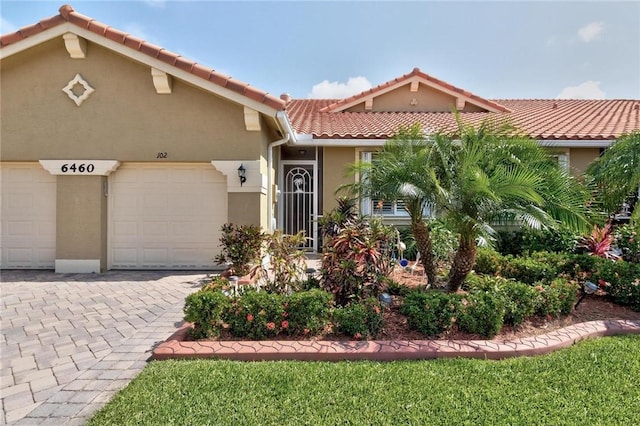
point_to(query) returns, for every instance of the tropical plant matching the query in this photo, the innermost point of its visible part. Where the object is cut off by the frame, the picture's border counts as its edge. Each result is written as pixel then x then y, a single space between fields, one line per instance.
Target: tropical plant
pixel 628 241
pixel 599 242
pixel 400 172
pixel 487 174
pixel 335 220
pixel 283 268
pixel 240 245
pixel 357 260
pixel 616 174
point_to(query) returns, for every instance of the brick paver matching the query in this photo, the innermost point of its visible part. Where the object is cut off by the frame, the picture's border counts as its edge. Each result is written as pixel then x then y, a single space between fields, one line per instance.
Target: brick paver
pixel 69 342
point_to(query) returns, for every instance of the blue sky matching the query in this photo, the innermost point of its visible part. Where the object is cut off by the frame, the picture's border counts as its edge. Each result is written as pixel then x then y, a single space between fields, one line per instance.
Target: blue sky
pixel 504 49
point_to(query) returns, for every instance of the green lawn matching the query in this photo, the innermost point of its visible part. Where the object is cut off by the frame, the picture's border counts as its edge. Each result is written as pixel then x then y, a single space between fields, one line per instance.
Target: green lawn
pixel 594 382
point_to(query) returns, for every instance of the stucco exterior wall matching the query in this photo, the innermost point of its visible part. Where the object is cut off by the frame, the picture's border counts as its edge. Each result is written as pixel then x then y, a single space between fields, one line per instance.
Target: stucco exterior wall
pixel 81 210
pixel 335 174
pixel 426 99
pixel 124 119
pixel 580 158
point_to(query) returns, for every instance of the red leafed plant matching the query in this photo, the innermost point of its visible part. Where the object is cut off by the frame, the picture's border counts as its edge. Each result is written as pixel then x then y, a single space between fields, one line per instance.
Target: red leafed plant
pixel 599 242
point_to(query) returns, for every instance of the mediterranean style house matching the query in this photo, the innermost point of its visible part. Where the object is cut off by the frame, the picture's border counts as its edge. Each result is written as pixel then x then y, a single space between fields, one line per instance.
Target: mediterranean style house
pixel 118 154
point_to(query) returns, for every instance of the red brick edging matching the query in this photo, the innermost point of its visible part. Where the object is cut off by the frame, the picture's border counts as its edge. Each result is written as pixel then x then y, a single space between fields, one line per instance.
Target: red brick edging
pixel 387 350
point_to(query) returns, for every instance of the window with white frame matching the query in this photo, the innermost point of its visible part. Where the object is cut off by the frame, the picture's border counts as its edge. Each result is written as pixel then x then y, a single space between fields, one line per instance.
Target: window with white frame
pixel 377 207
pixel 562 159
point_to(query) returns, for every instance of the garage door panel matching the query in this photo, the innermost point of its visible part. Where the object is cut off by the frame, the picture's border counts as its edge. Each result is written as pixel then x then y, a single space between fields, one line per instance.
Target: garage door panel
pixel 177 211
pixel 155 229
pixel 28 217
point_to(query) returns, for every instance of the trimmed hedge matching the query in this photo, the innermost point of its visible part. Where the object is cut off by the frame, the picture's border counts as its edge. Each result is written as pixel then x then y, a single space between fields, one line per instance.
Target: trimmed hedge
pixel 431 313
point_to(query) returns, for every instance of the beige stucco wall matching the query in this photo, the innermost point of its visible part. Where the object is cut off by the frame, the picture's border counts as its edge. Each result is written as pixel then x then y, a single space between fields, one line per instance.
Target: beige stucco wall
pixel 81 211
pixel 427 99
pixel 580 158
pixel 124 119
pixel 247 209
pixel 335 173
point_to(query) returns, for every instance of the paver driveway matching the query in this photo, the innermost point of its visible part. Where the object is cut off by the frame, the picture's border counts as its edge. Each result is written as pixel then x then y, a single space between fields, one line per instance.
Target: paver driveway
pixel 69 342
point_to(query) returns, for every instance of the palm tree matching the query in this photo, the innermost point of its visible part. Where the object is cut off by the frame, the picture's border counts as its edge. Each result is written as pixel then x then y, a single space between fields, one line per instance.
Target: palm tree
pixel 616 174
pixel 400 172
pixel 488 174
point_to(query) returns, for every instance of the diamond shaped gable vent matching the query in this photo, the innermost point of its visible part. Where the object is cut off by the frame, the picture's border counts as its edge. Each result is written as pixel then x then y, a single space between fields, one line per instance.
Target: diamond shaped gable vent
pixel 78 99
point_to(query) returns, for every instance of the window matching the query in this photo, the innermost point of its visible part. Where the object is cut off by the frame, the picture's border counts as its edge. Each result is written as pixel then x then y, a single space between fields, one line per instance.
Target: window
pixel 562 159
pixel 375 207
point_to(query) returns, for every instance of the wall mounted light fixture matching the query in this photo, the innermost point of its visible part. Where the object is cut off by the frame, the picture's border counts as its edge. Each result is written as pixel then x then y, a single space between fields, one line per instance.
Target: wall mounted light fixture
pixel 242 174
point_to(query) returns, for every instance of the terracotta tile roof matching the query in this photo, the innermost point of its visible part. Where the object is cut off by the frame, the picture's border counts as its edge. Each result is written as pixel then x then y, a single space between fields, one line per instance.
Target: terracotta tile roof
pixel 68 14
pixel 336 105
pixel 543 119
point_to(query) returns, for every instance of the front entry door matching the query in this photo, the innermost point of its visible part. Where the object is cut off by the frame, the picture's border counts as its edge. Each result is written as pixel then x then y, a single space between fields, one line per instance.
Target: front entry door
pixel 298 200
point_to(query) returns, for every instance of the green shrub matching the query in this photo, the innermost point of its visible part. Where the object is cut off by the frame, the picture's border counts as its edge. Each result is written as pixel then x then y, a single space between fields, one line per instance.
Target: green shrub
pixel 519 298
pixel 206 309
pixel 256 315
pixel 552 240
pixel 621 281
pixel 520 302
pixel 581 266
pixel 483 314
pixel 527 270
pixel 444 241
pixel 488 261
pixel 557 298
pixel 431 313
pixel 240 246
pixel 397 289
pixel 359 320
pixel 510 242
pixel 558 261
pixel 307 312
pixel 627 239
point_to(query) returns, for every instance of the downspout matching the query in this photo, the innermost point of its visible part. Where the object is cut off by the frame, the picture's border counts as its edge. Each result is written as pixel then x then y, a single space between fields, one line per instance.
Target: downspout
pixel 283 121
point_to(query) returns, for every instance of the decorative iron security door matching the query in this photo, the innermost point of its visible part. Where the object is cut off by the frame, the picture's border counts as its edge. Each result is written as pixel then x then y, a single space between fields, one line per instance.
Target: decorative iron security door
pixel 298 201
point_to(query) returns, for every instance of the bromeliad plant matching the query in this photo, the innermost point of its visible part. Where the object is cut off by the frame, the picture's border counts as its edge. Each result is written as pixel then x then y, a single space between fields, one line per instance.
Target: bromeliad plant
pixel 599 243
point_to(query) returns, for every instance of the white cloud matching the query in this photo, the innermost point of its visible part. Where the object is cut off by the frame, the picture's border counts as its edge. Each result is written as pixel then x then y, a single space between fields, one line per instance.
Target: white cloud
pixel 588 90
pixel 591 31
pixel 7 27
pixel 333 89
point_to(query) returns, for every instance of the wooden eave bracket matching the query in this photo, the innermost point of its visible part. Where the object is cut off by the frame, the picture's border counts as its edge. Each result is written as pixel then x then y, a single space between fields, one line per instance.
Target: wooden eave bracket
pixel 368 104
pixel 414 85
pixel 76 46
pixel 460 103
pixel 251 119
pixel 161 81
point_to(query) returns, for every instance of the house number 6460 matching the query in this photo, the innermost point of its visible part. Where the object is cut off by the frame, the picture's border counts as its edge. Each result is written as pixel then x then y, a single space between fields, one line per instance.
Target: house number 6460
pixel 77 168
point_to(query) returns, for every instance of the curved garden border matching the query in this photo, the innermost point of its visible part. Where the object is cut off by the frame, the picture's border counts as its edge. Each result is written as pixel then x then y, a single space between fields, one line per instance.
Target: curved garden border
pixel 176 347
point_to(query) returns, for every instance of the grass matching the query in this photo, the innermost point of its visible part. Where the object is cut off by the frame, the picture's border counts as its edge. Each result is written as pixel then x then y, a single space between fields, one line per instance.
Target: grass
pixel 593 382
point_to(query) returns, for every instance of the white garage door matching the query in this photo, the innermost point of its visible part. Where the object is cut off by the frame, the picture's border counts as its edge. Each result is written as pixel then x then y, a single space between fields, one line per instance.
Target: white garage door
pixel 166 217
pixel 28 212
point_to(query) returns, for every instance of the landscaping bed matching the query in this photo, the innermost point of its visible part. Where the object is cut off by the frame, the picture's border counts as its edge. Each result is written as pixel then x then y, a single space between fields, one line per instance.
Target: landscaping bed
pixel 591 308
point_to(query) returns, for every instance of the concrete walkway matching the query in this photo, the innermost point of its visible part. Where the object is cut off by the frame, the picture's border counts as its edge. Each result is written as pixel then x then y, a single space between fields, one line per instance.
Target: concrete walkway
pixel 69 342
